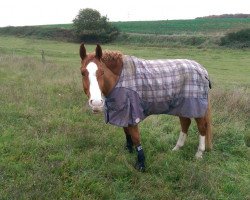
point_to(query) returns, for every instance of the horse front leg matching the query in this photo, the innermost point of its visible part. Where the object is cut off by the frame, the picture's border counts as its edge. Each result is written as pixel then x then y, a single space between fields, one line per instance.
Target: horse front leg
pixel 135 136
pixel 129 142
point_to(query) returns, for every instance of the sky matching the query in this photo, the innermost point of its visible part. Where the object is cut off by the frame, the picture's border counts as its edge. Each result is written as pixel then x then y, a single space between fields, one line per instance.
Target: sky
pixel 33 12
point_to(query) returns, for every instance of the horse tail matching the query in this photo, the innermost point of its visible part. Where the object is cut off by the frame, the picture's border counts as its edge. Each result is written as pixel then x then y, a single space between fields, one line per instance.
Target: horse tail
pixel 209 135
pixel 209 82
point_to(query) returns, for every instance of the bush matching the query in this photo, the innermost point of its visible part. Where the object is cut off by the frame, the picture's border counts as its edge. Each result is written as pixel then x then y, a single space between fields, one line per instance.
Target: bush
pixel 90 26
pixel 240 39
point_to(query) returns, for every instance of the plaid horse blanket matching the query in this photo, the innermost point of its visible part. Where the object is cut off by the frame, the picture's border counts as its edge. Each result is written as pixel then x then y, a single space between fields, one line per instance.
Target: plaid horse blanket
pixel 145 87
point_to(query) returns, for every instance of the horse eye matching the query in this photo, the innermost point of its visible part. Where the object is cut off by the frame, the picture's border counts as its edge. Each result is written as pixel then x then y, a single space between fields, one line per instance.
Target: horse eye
pixel 84 72
pixel 100 73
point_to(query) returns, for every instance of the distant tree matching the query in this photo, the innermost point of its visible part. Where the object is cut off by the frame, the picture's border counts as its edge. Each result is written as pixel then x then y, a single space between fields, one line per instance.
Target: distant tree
pixel 90 26
pixel 240 15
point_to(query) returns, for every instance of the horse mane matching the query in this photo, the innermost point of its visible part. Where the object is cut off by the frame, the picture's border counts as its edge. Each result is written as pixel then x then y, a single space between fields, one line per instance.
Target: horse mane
pixel 111 56
pixel 113 60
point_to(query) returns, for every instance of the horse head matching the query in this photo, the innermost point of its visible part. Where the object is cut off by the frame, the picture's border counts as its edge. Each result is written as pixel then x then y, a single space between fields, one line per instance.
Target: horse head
pixel 92 77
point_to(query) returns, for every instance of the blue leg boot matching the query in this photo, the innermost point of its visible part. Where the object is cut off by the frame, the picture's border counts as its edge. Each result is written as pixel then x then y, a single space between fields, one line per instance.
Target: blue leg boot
pixel 140 165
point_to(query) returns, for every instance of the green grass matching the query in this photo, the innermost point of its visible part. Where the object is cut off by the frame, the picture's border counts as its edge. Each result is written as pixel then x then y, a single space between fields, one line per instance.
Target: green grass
pixel 178 27
pixel 192 26
pixel 53 147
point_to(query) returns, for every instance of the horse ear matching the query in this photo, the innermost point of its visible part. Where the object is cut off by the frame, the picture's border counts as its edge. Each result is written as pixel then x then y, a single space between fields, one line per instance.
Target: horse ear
pixel 82 51
pixel 98 52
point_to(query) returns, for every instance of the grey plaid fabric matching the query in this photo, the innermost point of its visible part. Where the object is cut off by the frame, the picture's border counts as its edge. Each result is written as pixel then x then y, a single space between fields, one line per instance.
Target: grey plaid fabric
pixel 177 87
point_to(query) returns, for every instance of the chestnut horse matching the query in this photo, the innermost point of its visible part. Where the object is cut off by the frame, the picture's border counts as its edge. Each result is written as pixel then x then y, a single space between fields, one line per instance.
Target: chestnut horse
pixel 101 73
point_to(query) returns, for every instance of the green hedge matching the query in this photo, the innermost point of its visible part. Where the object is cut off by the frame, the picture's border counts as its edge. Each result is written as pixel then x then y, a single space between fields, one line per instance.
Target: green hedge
pixel 239 39
pixel 98 36
pixel 39 32
pixel 57 33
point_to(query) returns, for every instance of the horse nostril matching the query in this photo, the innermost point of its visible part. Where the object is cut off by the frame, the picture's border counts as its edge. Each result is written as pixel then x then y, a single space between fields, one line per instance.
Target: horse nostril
pixel 90 102
pixel 98 103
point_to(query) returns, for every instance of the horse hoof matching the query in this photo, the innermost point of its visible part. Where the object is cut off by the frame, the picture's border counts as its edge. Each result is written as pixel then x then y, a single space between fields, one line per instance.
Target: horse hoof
pixel 176 148
pixel 198 155
pixel 140 167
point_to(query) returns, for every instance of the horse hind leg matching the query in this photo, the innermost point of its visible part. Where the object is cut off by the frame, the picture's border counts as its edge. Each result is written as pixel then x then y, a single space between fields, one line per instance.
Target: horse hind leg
pixel 205 138
pixel 201 124
pixel 209 134
pixel 185 123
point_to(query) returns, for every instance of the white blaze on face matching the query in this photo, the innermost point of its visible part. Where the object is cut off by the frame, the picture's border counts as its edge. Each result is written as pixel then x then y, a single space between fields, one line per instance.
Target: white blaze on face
pixel 96 102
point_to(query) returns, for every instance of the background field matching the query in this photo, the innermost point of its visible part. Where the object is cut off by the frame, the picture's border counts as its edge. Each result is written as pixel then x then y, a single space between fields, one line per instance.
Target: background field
pixel 169 27
pixel 193 26
pixel 200 33
pixel 52 147
pixel 179 33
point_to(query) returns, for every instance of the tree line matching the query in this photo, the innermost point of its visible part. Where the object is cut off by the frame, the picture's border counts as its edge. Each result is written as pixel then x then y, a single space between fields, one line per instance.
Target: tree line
pixel 226 16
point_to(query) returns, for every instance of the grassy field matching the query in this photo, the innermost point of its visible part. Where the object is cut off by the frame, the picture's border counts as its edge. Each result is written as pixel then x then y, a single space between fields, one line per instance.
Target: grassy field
pixel 178 27
pixel 52 147
pixel 192 26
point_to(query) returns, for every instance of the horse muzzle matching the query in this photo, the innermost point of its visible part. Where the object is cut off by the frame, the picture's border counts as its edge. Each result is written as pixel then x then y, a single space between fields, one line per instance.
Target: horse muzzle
pixel 96 105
